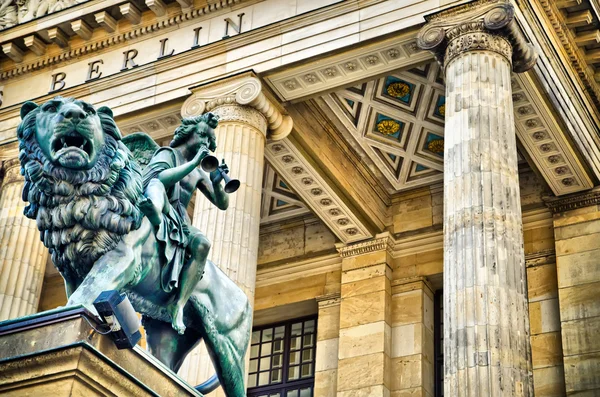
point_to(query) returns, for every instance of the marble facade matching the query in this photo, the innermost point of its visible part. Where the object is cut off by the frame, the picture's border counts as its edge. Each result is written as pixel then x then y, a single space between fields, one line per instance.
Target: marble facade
pixel 389 152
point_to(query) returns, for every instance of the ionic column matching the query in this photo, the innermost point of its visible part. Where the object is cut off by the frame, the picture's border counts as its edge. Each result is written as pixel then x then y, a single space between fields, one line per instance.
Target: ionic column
pixel 22 255
pixel 486 324
pixel 247 118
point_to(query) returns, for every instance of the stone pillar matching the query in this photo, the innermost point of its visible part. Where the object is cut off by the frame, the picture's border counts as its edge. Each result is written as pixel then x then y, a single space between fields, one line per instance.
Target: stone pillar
pixel 486 324
pixel 577 243
pixel 22 255
pixel 248 117
pixel 328 337
pixel 412 354
pixel 365 317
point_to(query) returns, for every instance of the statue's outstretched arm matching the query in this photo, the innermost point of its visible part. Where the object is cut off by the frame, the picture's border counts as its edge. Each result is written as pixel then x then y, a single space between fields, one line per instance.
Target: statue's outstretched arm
pixel 171 176
pixel 213 190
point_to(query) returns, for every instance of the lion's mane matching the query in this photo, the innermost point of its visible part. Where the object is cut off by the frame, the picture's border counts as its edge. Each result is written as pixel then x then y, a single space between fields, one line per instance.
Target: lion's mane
pixel 81 214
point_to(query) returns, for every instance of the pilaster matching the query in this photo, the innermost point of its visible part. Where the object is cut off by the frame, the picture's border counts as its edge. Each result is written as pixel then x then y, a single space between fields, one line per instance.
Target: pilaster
pixel 412 354
pixel 486 322
pixel 328 337
pixel 365 317
pixel 22 255
pixel 577 243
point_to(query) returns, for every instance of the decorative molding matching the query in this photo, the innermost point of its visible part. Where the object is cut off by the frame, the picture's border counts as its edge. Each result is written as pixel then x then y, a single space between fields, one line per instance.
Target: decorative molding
pixel 544 139
pixel 382 241
pixel 574 201
pixel 243 89
pixel 292 271
pixel 489 25
pixel 35 44
pixel 13 52
pixel 130 12
pixel 11 172
pixel 279 201
pixel 408 284
pixel 317 194
pixel 159 126
pixel 544 257
pixel 59 38
pixel 345 69
pixel 536 218
pixel 580 59
pixel 82 29
pixel 329 300
pixel 105 20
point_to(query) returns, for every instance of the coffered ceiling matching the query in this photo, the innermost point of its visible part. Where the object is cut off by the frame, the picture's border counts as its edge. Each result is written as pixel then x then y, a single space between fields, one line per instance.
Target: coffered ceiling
pixel 398 120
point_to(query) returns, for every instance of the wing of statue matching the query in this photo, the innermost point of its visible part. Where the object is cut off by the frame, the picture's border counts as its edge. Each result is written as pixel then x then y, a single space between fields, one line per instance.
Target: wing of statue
pixel 142 146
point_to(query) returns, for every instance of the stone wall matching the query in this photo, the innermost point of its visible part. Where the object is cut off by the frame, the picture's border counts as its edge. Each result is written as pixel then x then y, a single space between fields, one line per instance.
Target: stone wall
pixel 577 233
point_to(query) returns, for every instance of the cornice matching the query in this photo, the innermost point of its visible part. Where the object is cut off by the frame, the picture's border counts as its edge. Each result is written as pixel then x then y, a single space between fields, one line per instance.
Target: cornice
pixel 573 201
pixel 95 46
pixel 544 257
pixel 329 300
pixel 382 241
pixel 291 271
pixel 575 55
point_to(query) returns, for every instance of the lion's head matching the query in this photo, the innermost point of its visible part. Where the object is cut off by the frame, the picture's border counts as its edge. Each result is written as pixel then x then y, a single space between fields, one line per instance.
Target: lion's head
pixel 80 181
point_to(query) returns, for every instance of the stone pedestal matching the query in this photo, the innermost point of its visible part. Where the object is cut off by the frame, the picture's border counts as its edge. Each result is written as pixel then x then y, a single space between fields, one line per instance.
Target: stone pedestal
pixel 247 117
pixel 22 255
pixel 364 366
pixel 486 323
pixel 58 353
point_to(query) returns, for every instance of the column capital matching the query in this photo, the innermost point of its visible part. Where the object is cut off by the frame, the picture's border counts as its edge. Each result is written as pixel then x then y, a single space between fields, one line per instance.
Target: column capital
pixel 245 90
pixel 382 241
pixel 11 171
pixel 479 26
pixel 573 201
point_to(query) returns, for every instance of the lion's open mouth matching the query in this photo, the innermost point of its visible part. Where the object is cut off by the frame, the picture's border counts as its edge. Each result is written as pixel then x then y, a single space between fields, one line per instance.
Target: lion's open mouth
pixel 69 142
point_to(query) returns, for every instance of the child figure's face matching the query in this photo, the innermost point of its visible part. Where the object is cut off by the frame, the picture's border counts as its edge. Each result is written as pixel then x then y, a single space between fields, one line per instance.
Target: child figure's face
pixel 205 136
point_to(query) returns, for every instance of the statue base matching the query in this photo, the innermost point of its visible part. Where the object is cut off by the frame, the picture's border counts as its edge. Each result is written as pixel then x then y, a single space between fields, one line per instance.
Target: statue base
pixel 57 353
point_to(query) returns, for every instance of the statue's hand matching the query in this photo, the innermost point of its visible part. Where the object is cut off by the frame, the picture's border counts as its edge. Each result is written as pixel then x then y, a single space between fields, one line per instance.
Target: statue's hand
pixel 202 152
pixel 217 175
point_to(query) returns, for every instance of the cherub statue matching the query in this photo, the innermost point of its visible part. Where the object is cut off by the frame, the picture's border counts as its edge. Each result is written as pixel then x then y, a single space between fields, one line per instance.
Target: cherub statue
pixel 169 181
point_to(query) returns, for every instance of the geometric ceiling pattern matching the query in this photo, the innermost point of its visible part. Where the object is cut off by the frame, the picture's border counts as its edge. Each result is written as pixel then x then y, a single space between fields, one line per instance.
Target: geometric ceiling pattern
pixel 279 202
pixel 398 120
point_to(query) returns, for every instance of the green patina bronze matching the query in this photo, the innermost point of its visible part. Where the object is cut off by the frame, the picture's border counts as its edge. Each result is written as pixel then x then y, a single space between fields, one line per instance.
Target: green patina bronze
pixel 109 225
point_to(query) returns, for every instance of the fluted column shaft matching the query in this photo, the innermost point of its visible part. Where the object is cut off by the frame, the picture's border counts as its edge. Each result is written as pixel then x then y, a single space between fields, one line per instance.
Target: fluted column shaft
pixel 241 138
pixel 486 322
pixel 22 255
pixel 486 333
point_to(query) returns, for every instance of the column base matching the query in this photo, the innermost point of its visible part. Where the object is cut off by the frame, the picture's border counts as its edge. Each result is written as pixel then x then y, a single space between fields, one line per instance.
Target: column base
pixel 57 353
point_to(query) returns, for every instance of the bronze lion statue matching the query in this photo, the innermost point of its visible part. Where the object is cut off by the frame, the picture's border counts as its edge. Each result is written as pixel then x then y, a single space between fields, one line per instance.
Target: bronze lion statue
pixel 84 187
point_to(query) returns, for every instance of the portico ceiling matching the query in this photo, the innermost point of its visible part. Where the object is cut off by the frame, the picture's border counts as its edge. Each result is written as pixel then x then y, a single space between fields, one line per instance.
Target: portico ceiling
pixel 398 121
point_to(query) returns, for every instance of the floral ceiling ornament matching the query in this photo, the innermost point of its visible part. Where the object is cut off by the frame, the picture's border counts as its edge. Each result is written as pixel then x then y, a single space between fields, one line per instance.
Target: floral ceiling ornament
pixel 398 90
pixel 388 127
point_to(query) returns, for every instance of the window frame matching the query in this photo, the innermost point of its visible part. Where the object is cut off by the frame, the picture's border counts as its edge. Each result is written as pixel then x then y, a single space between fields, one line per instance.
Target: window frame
pixel 283 386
